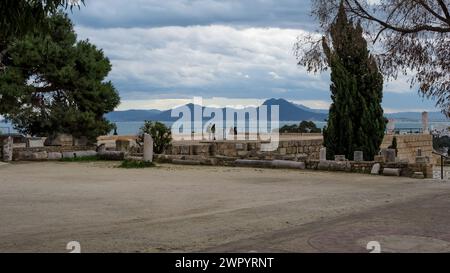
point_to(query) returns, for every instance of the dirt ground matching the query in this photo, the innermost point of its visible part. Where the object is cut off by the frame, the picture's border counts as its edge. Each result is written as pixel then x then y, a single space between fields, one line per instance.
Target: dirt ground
pixel 43 206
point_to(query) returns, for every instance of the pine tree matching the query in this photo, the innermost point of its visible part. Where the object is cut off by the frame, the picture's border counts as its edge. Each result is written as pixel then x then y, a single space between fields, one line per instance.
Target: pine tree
pixel 356 119
pixel 54 84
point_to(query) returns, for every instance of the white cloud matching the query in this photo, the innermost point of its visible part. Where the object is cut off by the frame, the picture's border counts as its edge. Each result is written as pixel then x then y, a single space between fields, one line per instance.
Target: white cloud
pixel 315 104
pixel 182 60
pixel 164 104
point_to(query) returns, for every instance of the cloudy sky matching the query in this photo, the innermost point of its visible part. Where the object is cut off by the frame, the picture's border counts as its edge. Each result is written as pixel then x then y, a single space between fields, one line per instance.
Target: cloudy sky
pixel 230 52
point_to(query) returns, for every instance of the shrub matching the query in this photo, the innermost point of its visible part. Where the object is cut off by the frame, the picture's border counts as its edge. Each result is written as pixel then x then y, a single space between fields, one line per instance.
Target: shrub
pixel 136 164
pixel 161 134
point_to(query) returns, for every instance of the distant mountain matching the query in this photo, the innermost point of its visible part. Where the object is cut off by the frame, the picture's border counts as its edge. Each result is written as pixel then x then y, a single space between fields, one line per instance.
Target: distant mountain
pixel 294 112
pixel 288 112
pixel 306 108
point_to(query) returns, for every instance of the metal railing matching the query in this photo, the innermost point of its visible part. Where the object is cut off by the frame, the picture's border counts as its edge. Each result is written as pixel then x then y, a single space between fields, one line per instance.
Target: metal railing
pixel 443 157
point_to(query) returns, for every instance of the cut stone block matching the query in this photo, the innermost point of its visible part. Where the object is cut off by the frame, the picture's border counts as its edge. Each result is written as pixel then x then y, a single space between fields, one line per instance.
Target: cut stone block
pixel 253 163
pixel 391 172
pixel 68 155
pixel 85 153
pixel 288 164
pixel 418 175
pixel 323 165
pixel 122 145
pixel 186 162
pixel 358 156
pixel 54 156
pixel 148 148
pixel 376 169
pixel 422 160
pixel 339 158
pixel 323 154
pixel 39 156
pixel 36 142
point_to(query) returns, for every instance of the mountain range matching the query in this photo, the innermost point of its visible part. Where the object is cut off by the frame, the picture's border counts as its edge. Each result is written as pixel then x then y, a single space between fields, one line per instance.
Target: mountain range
pixel 289 111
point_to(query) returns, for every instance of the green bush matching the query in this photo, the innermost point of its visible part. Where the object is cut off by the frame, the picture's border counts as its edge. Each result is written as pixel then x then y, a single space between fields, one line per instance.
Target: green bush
pixel 136 164
pixel 304 127
pixel 161 134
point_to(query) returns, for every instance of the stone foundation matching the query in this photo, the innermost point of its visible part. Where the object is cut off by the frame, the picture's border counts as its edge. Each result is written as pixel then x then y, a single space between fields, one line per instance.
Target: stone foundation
pixel 47 152
pixel 298 150
pixel 407 146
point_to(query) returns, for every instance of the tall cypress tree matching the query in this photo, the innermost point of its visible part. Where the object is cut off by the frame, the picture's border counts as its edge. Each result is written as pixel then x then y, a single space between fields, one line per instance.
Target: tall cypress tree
pixel 356 120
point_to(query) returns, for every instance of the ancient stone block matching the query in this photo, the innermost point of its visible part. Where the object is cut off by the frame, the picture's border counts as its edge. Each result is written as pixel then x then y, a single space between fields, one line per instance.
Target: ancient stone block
pixel 323 165
pixel 422 160
pixel 68 154
pixel 54 156
pixel 239 146
pixel 148 148
pixel 185 150
pixel 84 153
pixel 391 172
pixel 379 158
pixel 418 175
pixel 7 149
pixel 36 142
pixel 288 164
pixel 122 145
pixel 186 162
pixel 323 154
pixel 39 156
pixel 339 158
pixel 242 153
pixel 59 140
pixel 358 156
pixel 376 169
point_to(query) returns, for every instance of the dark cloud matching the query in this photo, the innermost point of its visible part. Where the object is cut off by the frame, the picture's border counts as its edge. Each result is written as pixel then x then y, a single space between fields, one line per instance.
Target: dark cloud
pixel 157 13
pixel 211 48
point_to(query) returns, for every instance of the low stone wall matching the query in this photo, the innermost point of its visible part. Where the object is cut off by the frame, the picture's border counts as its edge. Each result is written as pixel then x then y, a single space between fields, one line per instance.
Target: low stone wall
pixel 42 153
pixel 408 145
pixel 290 150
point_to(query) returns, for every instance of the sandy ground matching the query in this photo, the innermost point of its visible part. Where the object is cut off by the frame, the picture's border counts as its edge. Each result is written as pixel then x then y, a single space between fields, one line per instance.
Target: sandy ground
pixel 183 209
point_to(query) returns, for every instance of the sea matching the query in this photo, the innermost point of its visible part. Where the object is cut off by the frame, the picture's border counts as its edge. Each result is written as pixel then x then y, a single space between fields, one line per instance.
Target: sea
pixel 132 127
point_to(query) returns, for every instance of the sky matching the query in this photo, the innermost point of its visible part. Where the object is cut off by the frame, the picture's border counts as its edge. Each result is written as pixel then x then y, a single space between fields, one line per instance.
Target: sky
pixel 230 52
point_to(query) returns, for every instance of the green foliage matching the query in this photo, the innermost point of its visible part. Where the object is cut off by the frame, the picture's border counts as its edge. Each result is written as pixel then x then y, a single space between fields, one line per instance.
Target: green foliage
pixel 54 84
pixel 304 127
pixel 18 17
pixel 136 164
pixel 161 134
pixel 441 142
pixel 356 119
pixel 394 145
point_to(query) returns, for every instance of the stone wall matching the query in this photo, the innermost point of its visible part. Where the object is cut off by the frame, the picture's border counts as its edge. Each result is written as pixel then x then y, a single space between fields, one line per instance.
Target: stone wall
pixel 289 150
pixel 408 145
pixel 41 153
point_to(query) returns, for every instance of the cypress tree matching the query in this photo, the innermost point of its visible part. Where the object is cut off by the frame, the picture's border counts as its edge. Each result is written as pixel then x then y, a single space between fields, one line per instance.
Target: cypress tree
pixel 356 120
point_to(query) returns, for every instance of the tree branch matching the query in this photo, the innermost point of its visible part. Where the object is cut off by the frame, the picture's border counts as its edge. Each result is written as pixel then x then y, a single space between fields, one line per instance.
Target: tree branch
pixel 361 12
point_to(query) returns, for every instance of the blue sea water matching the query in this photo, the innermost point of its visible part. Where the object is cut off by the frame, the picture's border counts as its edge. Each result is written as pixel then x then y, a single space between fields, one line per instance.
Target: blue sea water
pixel 132 127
